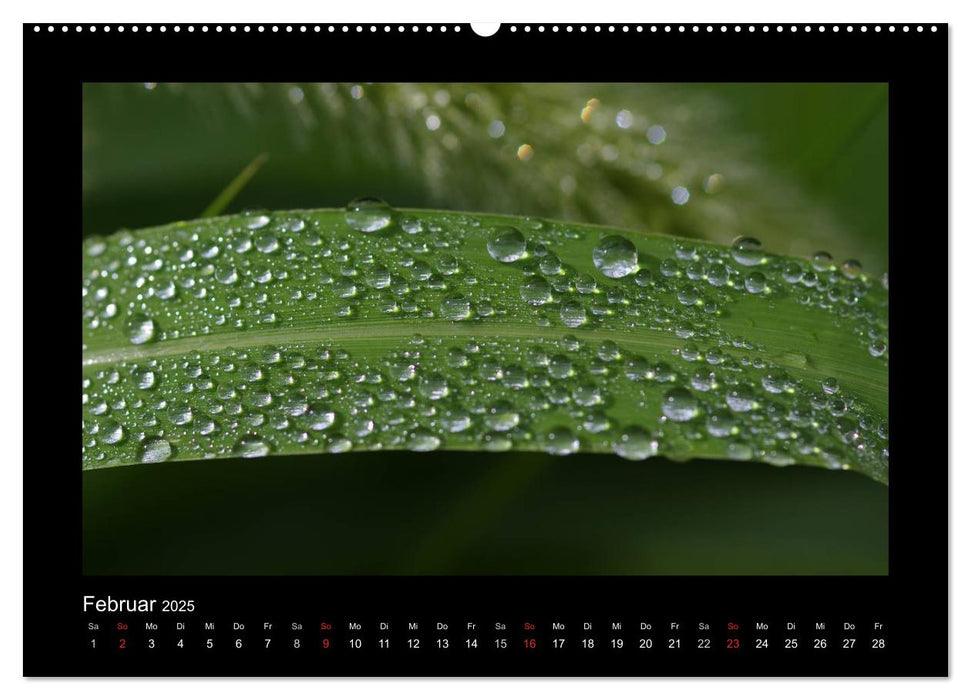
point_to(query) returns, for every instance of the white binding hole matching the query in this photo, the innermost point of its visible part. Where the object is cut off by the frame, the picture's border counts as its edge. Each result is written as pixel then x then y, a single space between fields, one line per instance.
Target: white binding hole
pixel 485 28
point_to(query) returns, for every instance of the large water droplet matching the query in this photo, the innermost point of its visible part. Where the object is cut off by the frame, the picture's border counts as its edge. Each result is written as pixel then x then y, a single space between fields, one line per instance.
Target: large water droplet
pixel 550 265
pixel 433 387
pixel 635 443
pixel 747 251
pixel 154 450
pixel 502 415
pixel 410 224
pixel 755 282
pixel 596 421
pixel 180 415
pixel 615 256
pixel 251 446
pixel 377 277
pixel 368 214
pixel 423 441
pixel 535 291
pixel 225 273
pixel 792 272
pixel 560 366
pixel 112 433
pixel 455 308
pixel 822 261
pixel 506 244
pixel 267 243
pixel 852 268
pixel 320 418
pixel 587 395
pixel 339 444
pixel 573 314
pixel 717 275
pixel 255 220
pixel 741 398
pixel 455 420
pixel 145 379
pixel 559 441
pixel 679 405
pixel 775 381
pixel 140 328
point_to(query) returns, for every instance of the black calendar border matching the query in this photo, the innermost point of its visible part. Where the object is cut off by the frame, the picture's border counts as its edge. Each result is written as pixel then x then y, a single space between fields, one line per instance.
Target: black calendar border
pixel 913 59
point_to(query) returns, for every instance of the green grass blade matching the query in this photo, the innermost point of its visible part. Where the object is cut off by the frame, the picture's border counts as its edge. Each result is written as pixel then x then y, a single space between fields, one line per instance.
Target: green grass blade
pixel 225 198
pixel 292 332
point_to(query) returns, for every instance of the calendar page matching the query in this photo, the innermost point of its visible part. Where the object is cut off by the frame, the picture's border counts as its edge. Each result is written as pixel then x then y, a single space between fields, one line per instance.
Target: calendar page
pixel 547 349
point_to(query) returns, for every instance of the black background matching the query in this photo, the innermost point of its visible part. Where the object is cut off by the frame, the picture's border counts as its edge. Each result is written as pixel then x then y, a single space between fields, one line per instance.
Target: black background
pixel 911 601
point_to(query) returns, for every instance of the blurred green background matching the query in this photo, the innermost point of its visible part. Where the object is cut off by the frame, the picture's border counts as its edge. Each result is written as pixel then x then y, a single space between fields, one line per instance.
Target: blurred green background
pixel 802 166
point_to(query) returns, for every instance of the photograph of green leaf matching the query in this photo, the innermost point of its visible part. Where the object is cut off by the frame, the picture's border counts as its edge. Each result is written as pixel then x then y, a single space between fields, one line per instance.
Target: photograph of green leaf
pixel 485 329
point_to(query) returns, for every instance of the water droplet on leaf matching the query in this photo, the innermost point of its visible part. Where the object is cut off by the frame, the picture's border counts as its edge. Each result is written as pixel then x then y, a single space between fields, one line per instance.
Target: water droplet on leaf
pixel 535 291
pixel 573 314
pixel 368 214
pixel 154 450
pixel 251 446
pixel 615 256
pixel 140 327
pixel 755 282
pixel 679 405
pixel 506 244
pixel 635 443
pixel 747 251
pixel 455 308
pixel 559 441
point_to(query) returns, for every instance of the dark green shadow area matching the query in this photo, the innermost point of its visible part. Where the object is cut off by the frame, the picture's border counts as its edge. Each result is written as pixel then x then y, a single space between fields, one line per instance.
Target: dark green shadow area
pixel 476 513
